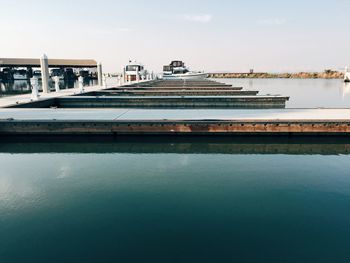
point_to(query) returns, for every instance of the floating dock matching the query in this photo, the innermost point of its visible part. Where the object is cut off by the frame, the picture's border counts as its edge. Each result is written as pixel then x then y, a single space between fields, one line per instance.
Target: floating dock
pixel 151 108
pixel 179 83
pixel 175 92
pixel 174 122
pixel 156 94
pixel 166 102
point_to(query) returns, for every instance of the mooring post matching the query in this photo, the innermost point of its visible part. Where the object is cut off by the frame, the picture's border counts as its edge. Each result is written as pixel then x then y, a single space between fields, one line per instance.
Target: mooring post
pixel 35 88
pixel 57 83
pixel 99 74
pixel 44 63
pixel 124 75
pixel 137 75
pixel 81 84
pixel 104 80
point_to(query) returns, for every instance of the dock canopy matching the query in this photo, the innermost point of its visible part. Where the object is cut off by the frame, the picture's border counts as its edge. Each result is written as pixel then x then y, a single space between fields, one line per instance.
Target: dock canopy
pixel 33 62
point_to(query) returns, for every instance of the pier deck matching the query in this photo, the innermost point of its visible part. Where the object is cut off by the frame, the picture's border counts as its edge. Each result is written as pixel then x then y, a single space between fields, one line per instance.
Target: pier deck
pixel 177 92
pixel 8 101
pixel 165 108
pixel 150 88
pixel 179 102
pixel 178 122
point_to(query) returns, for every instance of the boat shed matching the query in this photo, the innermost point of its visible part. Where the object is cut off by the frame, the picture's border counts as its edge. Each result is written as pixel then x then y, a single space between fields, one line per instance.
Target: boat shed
pixel 31 62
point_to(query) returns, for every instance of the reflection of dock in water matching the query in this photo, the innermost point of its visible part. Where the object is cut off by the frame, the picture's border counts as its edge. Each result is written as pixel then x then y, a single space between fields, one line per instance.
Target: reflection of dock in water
pixel 191 145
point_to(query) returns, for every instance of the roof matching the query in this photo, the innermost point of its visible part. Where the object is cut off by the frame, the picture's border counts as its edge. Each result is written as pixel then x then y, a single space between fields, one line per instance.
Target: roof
pixel 33 62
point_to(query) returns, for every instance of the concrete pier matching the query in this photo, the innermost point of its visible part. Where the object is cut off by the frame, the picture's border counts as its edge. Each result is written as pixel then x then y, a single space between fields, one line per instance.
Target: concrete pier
pixel 174 122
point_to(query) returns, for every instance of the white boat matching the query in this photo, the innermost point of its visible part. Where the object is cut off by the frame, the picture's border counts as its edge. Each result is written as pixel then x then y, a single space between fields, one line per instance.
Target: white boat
pixel 37 74
pixel 347 75
pixel 57 72
pixel 178 70
pixel 20 75
pixel 134 72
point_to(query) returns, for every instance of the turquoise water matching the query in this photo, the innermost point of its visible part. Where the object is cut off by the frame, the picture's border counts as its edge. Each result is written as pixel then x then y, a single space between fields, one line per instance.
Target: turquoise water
pixel 175 202
pixel 185 200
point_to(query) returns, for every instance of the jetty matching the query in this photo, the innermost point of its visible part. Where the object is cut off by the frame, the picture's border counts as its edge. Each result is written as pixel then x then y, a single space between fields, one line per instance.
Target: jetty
pixel 159 107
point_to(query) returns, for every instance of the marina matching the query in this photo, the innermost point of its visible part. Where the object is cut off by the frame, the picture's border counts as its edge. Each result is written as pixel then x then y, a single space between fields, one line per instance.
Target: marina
pixel 163 107
pixel 174 131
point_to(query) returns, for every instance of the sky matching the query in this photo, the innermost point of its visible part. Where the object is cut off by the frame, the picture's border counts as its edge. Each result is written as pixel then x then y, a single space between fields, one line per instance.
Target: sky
pixel 215 36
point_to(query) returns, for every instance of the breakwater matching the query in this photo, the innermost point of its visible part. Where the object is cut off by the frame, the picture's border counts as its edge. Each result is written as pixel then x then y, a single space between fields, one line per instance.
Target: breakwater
pixel 265 75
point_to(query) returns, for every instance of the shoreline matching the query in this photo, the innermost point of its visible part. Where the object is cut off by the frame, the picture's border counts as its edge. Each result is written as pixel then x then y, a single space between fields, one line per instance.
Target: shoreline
pixel 300 75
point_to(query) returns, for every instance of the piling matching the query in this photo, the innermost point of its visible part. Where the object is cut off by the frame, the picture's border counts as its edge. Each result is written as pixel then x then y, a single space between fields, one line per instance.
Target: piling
pixel 99 74
pixel 104 81
pixel 57 83
pixel 81 84
pixel 137 75
pixel 35 88
pixel 44 62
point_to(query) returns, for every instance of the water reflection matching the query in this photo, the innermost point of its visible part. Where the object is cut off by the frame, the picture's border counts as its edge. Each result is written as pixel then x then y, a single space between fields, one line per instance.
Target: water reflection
pixel 104 207
pixel 304 93
pixel 23 86
pixel 244 145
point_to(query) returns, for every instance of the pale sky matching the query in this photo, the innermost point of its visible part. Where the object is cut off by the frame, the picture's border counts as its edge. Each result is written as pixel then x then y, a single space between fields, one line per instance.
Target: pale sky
pixel 224 35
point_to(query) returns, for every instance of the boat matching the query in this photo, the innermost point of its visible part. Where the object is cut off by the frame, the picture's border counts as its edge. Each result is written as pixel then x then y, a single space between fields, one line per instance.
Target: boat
pixel 57 72
pixel 85 73
pixel 347 75
pixel 69 74
pixel 134 72
pixel 20 75
pixel 37 74
pixel 7 75
pixel 178 70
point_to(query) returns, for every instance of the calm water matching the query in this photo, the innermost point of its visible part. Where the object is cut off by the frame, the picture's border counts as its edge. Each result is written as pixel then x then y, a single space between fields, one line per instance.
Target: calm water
pixel 232 200
pixel 209 201
pixel 304 93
